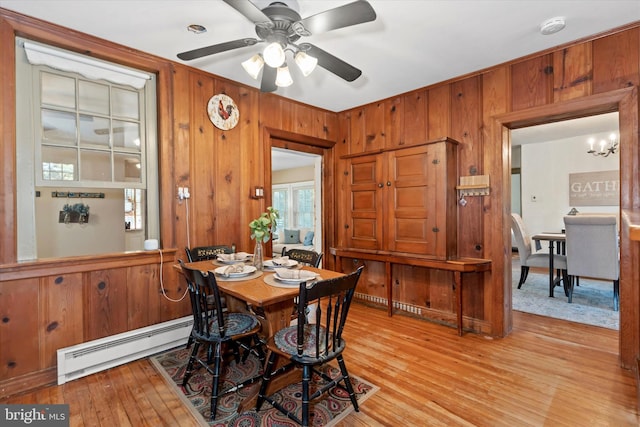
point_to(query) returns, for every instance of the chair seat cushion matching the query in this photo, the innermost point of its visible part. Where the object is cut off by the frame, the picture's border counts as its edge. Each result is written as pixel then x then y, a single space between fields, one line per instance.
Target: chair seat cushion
pixel 236 323
pixel 287 340
pixel 542 260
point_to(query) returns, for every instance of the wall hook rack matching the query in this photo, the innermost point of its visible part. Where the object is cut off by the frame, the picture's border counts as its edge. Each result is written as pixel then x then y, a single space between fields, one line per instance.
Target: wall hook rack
pixel 476 185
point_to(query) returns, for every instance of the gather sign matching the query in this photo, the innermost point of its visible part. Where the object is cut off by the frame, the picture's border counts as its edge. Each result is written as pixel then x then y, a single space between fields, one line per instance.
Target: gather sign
pixel 594 188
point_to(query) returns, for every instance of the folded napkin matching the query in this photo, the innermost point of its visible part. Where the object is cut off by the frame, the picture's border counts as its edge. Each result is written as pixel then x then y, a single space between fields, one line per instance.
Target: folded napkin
pixel 283 260
pixel 234 268
pixel 239 256
pixel 285 273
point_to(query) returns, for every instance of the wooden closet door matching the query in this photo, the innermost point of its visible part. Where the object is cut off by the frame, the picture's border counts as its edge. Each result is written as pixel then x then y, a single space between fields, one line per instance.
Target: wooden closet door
pixel 365 217
pixel 413 199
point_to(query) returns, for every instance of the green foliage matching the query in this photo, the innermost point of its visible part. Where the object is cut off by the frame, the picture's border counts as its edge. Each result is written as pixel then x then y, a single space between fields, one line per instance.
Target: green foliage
pixel 263 226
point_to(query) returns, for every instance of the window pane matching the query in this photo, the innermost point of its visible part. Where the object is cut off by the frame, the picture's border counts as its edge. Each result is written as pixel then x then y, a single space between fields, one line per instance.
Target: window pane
pixel 127 167
pixel 126 135
pixel 303 205
pixel 58 90
pixel 94 131
pixel 59 164
pixel 279 202
pixel 95 165
pixel 125 103
pixel 93 97
pixel 58 127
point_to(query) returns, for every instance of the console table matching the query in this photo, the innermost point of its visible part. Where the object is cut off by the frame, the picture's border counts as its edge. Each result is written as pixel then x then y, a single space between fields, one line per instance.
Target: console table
pixel 458 266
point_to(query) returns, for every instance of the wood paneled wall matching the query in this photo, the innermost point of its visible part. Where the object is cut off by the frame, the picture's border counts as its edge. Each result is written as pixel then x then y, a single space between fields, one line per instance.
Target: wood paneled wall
pixel 78 299
pixel 575 80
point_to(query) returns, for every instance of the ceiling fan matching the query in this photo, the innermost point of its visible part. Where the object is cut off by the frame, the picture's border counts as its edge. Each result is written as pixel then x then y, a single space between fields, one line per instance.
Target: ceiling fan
pixel 280 26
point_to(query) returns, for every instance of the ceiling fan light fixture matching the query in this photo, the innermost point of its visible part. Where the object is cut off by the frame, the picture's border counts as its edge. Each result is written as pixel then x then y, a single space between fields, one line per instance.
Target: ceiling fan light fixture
pixel 253 65
pixel 274 55
pixel 283 78
pixel 306 63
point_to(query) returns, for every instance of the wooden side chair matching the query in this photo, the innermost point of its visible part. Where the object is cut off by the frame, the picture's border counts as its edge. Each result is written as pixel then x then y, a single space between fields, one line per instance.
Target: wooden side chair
pixel 216 328
pixel 202 253
pixel 304 256
pixel 311 345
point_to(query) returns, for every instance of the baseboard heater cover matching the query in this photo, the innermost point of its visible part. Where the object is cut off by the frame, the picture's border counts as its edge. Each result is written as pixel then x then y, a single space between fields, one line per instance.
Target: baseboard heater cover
pixel 104 353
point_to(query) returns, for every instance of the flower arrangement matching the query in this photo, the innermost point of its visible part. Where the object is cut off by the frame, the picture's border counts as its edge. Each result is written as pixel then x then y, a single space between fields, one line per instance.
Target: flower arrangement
pixel 263 226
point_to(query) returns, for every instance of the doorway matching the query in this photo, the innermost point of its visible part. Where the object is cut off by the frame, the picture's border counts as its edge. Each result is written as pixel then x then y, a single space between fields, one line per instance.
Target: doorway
pixel 625 102
pixel 548 157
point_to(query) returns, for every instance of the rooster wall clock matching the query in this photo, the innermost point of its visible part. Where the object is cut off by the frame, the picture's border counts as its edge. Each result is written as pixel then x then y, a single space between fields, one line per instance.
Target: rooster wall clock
pixel 223 112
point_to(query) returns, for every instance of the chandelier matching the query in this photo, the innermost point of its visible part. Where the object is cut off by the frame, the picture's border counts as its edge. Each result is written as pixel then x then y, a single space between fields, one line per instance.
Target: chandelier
pixel 605 147
pixel 274 56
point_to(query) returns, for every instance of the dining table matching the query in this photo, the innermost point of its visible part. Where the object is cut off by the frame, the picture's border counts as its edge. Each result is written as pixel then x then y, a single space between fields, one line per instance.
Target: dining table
pixel 556 245
pixel 270 299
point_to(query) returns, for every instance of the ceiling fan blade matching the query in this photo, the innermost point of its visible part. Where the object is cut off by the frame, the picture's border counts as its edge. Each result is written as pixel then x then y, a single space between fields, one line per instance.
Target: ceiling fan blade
pixel 249 10
pixel 216 48
pixel 268 83
pixel 344 16
pixel 336 65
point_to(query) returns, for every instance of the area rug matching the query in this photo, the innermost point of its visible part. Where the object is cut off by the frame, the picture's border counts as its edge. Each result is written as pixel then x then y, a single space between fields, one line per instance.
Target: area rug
pixel 592 302
pixel 325 411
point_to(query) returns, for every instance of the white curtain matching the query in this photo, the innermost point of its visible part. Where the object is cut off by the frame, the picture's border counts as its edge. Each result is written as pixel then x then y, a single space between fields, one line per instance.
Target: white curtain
pixel 94 69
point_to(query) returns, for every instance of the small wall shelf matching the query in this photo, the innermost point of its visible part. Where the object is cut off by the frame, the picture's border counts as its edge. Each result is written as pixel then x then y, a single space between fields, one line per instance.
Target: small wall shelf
pixel 70 195
pixel 476 185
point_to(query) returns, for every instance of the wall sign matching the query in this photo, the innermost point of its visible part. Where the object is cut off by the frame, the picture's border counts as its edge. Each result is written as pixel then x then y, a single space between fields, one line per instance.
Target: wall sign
pixel 594 188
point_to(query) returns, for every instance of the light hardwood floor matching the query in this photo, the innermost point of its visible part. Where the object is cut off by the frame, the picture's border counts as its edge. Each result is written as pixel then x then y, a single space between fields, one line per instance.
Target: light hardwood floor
pixel 545 373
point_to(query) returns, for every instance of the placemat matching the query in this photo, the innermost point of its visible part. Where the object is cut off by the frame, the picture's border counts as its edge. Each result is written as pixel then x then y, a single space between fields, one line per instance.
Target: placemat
pixel 270 279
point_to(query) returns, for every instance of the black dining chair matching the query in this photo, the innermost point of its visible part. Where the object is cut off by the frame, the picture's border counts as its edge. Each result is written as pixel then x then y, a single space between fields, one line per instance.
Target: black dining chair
pixel 202 253
pixel 312 345
pixel 303 256
pixel 216 328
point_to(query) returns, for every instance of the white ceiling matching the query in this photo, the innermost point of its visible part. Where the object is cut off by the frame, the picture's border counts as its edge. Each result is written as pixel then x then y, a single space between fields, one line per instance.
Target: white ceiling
pixel 411 44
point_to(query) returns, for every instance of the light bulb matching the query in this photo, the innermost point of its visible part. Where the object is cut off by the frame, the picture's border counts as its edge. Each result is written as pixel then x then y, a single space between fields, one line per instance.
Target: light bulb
pixel 274 55
pixel 283 78
pixel 306 63
pixel 253 65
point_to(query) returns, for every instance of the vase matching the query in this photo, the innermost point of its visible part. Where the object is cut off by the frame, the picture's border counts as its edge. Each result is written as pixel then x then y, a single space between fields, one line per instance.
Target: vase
pixel 258 257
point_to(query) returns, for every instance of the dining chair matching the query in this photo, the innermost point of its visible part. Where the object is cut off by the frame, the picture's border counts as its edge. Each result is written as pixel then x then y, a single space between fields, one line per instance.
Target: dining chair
pixel 304 256
pixel 216 328
pixel 530 259
pixel 202 253
pixel 312 344
pixel 593 250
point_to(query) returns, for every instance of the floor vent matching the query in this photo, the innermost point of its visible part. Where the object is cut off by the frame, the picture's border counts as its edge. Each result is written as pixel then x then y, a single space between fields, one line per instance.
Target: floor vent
pixel 94 356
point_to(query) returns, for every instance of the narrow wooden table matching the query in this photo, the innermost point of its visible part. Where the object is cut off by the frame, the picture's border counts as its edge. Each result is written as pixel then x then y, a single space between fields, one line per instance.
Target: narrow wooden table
pixel 552 238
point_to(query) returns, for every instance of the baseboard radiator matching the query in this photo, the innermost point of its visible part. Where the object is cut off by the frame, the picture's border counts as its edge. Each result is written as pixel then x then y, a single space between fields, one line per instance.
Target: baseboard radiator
pixel 104 353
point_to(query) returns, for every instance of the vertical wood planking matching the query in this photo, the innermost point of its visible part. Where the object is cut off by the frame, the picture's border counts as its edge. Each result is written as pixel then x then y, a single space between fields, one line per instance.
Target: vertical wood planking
pixel 105 308
pixel 19 321
pixel 62 315
pixel 572 72
pixel 395 122
pixel 415 118
pixel 531 82
pixel 616 59
pixel 439 112
pixel 497 283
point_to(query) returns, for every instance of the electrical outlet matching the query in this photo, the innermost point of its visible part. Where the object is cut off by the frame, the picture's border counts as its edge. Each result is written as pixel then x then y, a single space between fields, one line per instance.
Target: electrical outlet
pixel 180 193
pixel 185 192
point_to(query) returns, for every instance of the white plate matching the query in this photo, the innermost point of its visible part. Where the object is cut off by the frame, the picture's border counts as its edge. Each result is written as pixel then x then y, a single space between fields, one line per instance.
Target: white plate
pixel 241 257
pixel 290 263
pixel 302 279
pixel 246 270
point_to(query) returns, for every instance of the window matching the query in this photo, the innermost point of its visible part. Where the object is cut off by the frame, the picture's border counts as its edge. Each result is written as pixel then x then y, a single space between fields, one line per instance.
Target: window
pixel 83 126
pixel 90 132
pixel 296 204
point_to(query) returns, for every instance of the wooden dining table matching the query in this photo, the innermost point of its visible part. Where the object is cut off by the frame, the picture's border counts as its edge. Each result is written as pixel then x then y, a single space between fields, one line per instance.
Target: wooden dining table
pixel 275 303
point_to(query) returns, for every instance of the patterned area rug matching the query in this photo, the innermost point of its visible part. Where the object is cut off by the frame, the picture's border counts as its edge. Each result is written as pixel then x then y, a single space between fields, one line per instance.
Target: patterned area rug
pixel 592 301
pixel 325 411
